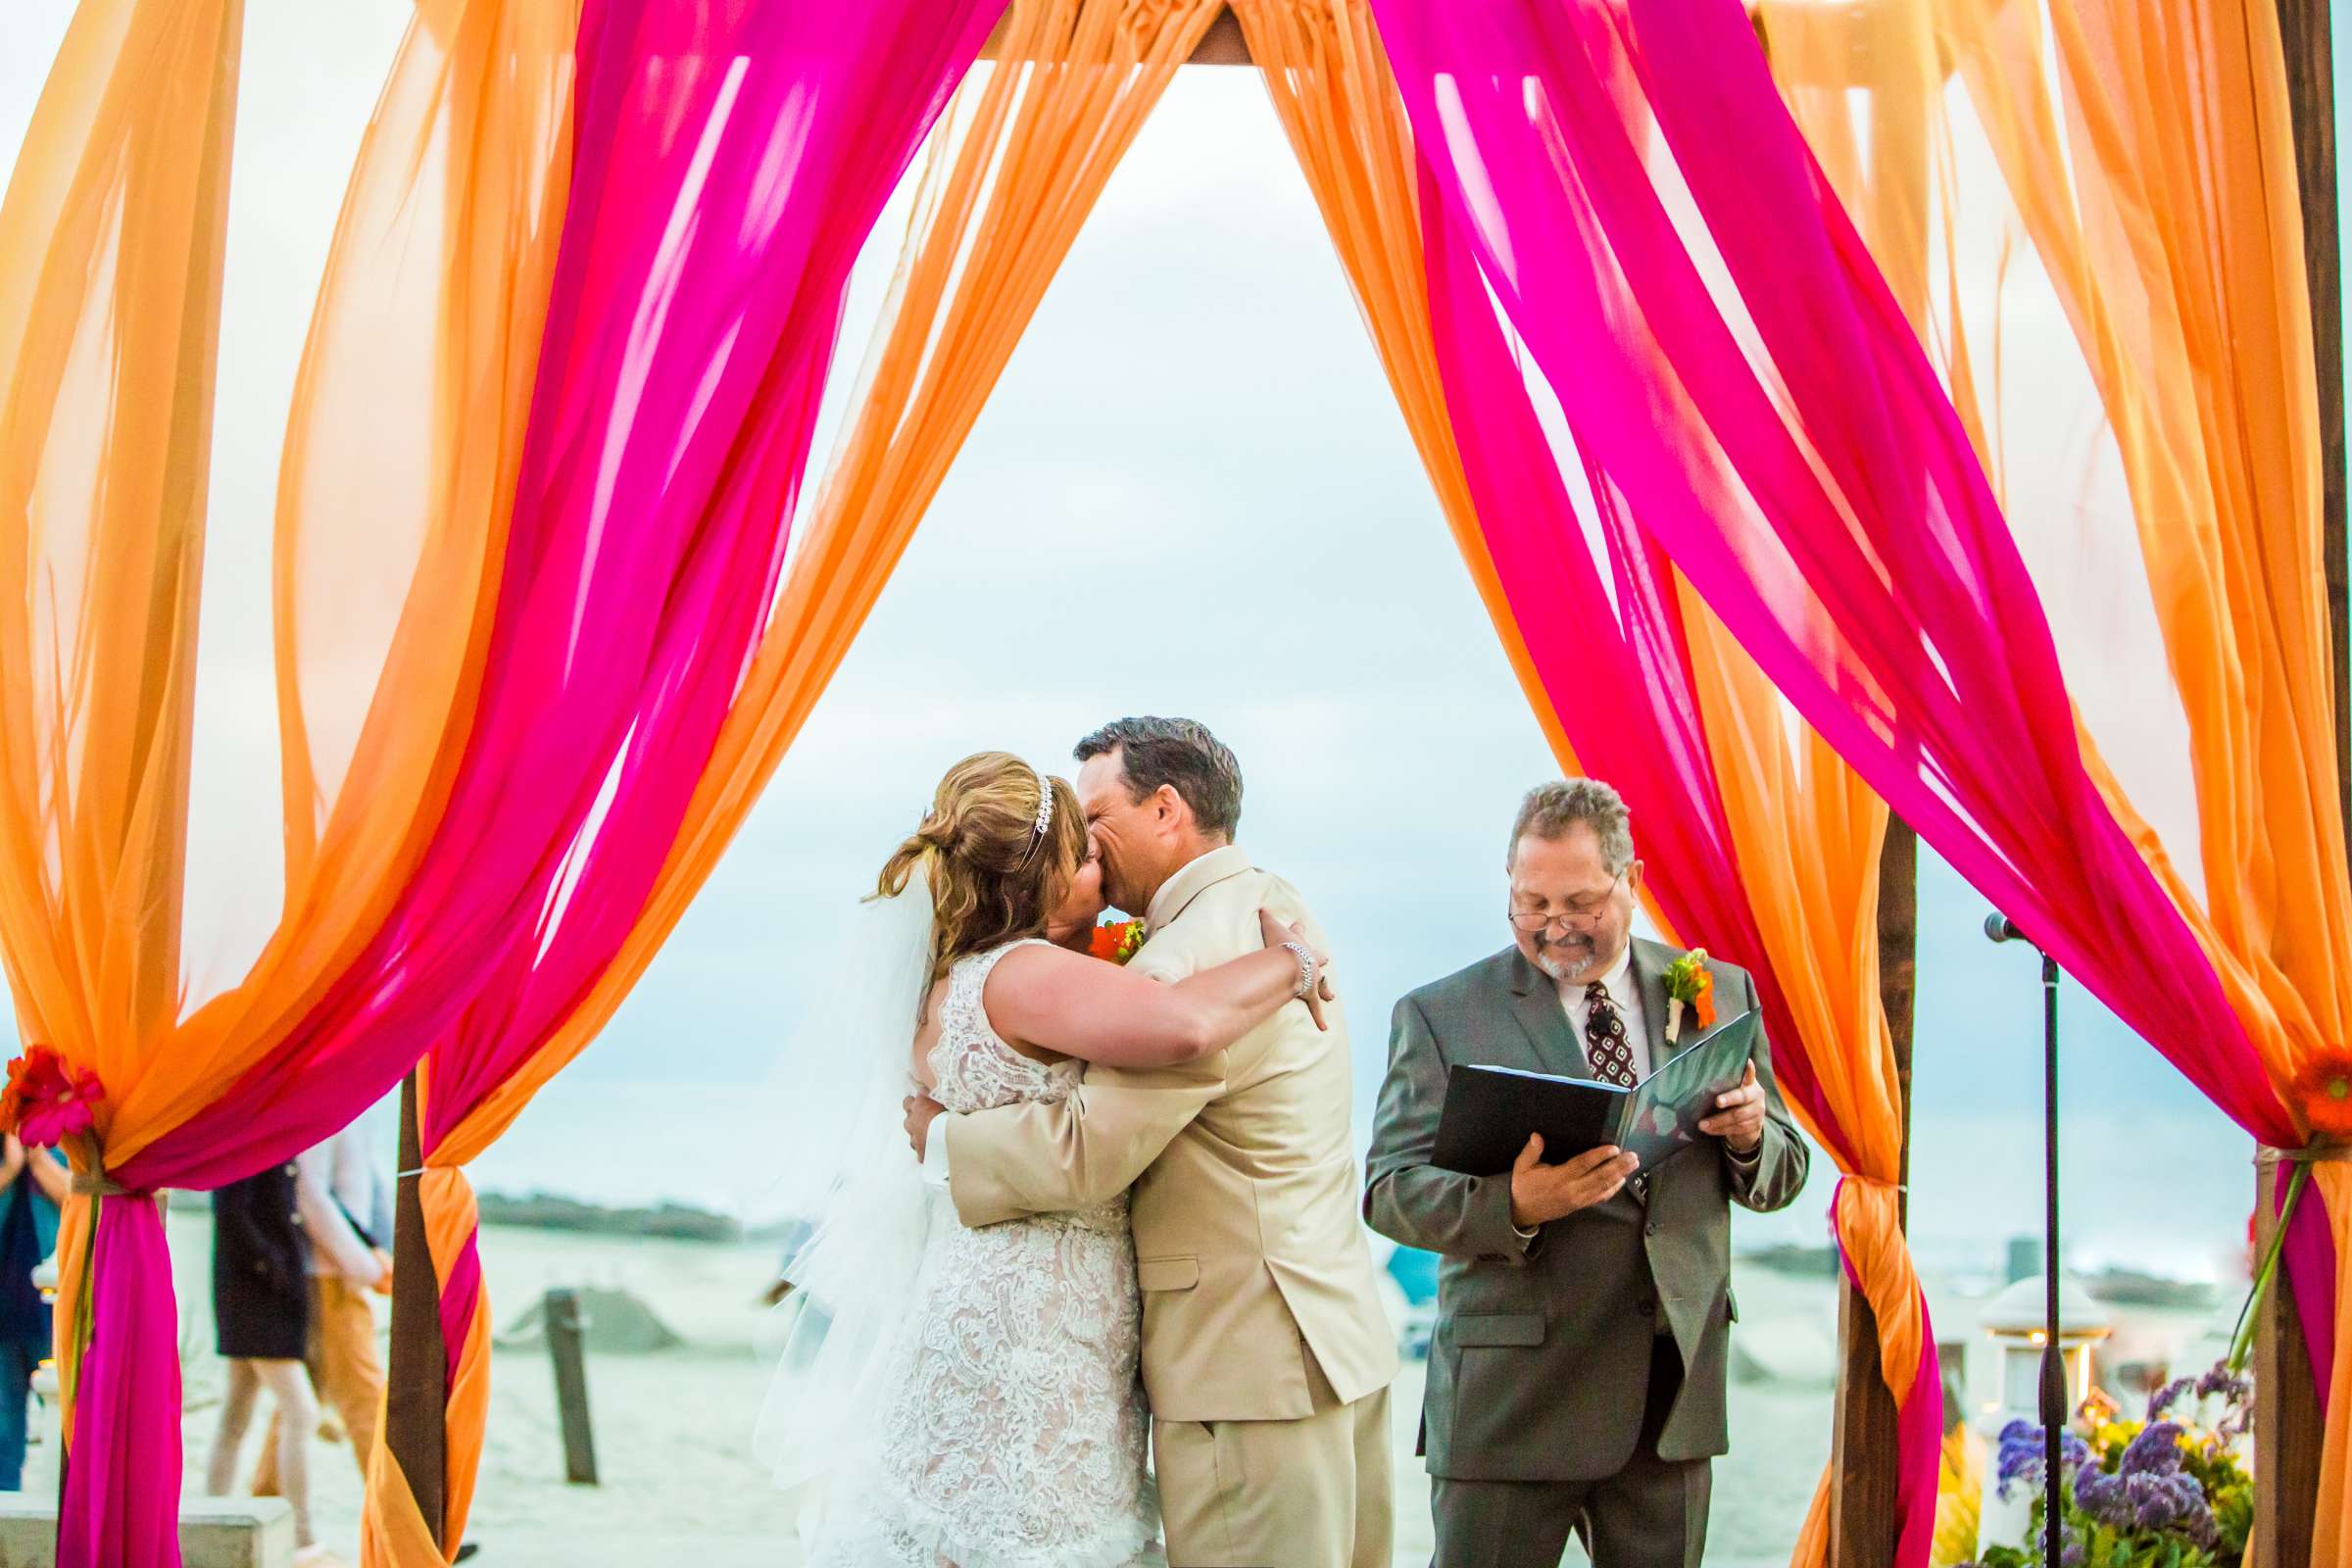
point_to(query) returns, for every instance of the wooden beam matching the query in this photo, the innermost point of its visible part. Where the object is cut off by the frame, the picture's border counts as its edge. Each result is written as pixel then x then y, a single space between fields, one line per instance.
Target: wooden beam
pixel 2287 1424
pixel 2303 30
pixel 1863 1437
pixel 1862 1445
pixel 1222 45
pixel 1898 966
pixel 416 1383
pixel 2287 1406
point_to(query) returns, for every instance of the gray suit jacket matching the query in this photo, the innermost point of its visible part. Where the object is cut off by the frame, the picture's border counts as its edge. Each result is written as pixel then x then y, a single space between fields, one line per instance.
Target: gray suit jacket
pixel 1539 1369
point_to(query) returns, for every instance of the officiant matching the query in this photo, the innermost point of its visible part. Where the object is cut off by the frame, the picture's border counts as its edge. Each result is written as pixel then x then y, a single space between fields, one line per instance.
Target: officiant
pixel 1576 1377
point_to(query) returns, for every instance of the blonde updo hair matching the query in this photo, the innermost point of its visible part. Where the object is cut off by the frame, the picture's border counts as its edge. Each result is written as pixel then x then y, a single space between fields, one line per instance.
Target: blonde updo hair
pixel 994 879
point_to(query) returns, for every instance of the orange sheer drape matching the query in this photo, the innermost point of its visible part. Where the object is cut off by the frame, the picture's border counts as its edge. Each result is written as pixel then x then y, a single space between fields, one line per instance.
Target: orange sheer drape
pixel 1331 89
pixel 999 205
pixel 2161 202
pixel 1807 831
pixel 1006 186
pixel 1810 834
pixel 418 360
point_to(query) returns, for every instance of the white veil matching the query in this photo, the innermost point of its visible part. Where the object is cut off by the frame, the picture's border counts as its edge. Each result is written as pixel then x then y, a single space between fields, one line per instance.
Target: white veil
pixel 849 1174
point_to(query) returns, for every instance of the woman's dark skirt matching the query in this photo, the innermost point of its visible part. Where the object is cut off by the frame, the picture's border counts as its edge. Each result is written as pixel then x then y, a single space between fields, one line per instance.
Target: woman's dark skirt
pixel 261 1270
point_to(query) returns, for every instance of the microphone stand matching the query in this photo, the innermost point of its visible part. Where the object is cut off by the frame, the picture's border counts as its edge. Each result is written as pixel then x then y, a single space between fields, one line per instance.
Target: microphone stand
pixel 2054 1390
pixel 2053 1359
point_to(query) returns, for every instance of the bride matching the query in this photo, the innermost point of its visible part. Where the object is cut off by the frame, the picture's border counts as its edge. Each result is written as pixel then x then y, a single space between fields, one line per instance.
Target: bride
pixel 968 1398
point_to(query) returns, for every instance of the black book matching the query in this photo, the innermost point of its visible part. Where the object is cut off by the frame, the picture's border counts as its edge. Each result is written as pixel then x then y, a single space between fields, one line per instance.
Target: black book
pixel 1489 1111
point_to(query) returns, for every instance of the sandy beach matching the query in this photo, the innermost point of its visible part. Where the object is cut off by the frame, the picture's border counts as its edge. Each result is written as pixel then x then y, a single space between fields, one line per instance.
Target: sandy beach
pixel 672 1428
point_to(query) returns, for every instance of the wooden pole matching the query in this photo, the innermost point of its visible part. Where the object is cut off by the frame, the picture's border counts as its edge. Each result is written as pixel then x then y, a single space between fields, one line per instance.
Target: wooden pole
pixel 2288 1428
pixel 1862 1446
pixel 416 1391
pixel 2303 30
pixel 2287 1424
pixel 1862 1467
pixel 560 1316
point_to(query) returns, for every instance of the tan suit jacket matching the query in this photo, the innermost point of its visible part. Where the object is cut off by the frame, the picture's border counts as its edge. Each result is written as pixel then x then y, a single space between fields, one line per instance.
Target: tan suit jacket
pixel 1244 1173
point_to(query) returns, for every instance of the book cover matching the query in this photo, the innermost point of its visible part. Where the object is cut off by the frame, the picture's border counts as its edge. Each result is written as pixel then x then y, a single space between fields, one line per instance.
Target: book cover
pixel 1491 1112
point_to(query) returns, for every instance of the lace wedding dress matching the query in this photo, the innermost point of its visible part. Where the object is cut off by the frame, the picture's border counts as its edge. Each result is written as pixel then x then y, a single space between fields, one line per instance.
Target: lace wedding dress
pixel 1017 1437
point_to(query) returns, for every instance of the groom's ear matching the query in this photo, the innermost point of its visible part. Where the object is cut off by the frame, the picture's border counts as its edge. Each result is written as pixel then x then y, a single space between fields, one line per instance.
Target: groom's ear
pixel 1168 808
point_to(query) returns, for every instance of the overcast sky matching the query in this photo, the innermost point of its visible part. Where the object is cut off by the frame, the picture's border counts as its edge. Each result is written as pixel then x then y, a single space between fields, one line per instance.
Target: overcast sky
pixel 1190 494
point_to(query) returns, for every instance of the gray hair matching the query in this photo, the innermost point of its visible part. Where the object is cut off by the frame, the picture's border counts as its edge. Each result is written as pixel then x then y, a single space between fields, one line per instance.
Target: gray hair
pixel 1551 810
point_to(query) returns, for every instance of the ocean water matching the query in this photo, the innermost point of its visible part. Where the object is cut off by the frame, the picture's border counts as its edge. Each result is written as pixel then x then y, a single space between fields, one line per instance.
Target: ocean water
pixel 2164 1192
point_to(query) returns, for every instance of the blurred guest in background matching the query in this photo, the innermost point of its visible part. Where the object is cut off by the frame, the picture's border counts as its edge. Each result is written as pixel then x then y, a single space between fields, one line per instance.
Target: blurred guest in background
pixel 262 1316
pixel 343 1199
pixel 33 1182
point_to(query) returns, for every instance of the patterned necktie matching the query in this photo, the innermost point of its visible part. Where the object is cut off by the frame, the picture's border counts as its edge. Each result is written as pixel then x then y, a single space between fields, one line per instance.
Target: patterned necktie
pixel 1606 1048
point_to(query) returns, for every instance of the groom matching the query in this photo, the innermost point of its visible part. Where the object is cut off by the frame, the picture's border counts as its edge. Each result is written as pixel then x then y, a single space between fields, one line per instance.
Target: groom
pixel 1266 1352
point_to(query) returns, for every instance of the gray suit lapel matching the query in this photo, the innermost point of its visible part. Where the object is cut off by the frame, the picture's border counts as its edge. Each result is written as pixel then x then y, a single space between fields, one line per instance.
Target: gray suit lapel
pixel 1535 1004
pixel 1650 959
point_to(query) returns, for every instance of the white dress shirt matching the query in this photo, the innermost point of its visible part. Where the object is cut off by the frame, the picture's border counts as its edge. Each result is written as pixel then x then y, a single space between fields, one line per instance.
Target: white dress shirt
pixel 1627 996
pixel 335 1183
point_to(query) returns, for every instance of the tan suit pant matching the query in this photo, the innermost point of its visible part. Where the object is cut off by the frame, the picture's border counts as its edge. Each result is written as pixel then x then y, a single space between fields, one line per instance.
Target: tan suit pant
pixel 1310 1494
pixel 344 1368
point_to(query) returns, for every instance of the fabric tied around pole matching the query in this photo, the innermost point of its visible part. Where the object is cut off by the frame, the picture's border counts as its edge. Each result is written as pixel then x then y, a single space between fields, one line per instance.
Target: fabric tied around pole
pixel 1866 1215
pixel 393 1534
pixel 2319 1239
pixel 110 1513
pixel 2310 1255
pixel 643 558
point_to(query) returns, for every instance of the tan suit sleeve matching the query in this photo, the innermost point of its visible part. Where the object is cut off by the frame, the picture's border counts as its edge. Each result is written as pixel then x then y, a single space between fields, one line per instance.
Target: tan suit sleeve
pixel 1018 1160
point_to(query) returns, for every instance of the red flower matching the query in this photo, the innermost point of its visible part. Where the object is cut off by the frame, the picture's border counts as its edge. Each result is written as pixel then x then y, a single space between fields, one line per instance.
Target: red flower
pixel 48 1100
pixel 2324 1087
pixel 1117 941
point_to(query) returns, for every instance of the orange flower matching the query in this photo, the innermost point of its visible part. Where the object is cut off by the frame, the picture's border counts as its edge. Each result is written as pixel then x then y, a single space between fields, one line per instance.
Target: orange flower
pixel 1117 941
pixel 1691 983
pixel 2324 1087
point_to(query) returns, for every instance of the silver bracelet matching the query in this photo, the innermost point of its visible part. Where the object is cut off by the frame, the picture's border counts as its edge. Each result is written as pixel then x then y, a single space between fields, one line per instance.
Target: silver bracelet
pixel 1306 970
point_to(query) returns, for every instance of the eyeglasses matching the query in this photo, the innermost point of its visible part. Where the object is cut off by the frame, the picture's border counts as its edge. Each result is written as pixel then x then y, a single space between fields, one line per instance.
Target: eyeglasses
pixel 1579 912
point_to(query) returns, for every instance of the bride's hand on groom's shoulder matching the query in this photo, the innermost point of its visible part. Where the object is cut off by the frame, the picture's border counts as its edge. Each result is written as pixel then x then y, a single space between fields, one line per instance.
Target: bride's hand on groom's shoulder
pixel 1277 932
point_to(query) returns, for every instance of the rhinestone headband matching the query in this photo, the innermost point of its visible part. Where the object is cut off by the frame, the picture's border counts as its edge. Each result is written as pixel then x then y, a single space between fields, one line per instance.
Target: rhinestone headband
pixel 1045 808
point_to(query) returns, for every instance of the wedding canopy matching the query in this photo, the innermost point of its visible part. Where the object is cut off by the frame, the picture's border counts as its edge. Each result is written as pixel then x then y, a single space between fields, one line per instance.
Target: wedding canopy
pixel 1704 367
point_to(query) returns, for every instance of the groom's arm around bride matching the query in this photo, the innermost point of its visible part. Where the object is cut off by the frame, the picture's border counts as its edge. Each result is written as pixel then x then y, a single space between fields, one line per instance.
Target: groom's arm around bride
pixel 1266 1353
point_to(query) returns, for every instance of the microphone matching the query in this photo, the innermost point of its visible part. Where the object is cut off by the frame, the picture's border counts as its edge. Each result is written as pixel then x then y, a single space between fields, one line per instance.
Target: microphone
pixel 1998 927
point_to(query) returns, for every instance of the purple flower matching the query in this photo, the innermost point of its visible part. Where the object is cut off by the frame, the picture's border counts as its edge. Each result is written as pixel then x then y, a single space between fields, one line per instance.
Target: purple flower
pixel 2162 1400
pixel 2103 1497
pixel 2156 1451
pixel 2146 1500
pixel 2022 1455
pixel 2224 1383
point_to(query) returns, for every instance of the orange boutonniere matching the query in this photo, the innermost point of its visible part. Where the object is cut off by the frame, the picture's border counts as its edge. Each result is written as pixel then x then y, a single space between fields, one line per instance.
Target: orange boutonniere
pixel 2324 1089
pixel 1690 985
pixel 1117 941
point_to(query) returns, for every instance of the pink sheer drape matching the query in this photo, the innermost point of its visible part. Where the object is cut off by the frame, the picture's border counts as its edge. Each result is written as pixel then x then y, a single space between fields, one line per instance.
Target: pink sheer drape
pixel 731 159
pixel 1737 373
pixel 1604 631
